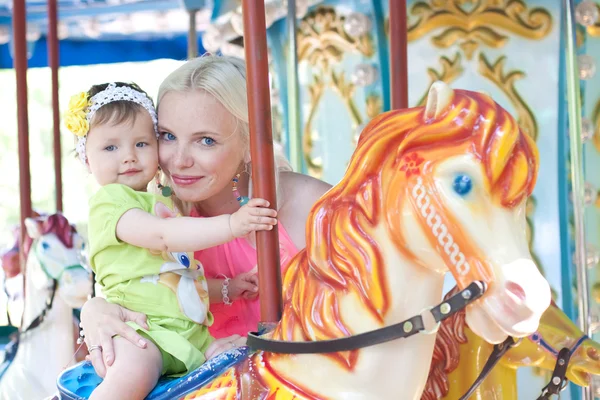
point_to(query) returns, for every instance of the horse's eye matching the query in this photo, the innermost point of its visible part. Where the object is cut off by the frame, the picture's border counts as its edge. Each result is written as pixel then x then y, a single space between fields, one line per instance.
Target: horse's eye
pixel 462 184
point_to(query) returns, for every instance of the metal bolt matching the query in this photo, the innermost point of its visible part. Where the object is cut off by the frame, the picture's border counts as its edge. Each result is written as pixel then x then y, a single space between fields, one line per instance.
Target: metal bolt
pixel 407 326
pixel 466 294
pixel 561 362
pixel 556 380
pixel 445 308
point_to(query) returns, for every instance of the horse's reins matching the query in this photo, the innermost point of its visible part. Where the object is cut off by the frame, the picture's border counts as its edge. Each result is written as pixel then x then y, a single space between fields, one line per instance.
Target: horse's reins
pixel 11 351
pixel 416 324
pixel 558 381
pixel 402 330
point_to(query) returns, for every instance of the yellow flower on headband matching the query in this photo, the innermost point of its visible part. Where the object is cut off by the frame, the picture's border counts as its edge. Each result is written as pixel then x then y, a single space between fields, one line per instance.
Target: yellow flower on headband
pixel 75 118
pixel 78 102
pixel 77 123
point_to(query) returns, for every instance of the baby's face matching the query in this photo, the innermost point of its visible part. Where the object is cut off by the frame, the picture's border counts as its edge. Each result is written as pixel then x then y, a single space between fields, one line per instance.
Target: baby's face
pixel 125 153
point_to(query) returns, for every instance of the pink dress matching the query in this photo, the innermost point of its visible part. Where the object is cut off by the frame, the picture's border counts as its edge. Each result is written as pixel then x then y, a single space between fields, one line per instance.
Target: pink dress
pixel 231 259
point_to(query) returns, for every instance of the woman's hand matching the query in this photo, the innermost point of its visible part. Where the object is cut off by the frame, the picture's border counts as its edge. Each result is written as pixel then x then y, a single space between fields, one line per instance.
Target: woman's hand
pixel 244 285
pixel 224 344
pixel 102 320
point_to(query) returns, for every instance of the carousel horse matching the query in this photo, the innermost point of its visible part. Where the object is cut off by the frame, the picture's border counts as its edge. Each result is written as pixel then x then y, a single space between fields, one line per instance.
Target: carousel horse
pixel 56 282
pixel 13 279
pixel 429 190
pixel 459 356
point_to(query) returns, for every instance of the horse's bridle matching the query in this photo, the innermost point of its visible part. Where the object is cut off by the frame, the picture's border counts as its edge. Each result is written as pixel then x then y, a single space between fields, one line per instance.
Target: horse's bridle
pixel 402 330
pixel 558 381
pixel 416 325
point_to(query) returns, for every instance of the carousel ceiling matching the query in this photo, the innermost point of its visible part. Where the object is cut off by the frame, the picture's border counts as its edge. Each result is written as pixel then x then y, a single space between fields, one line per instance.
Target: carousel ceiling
pixel 108 31
pixel 109 19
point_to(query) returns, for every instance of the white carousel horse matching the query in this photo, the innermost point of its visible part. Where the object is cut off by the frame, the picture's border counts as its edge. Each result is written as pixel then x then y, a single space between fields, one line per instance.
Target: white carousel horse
pixel 54 275
pixel 429 190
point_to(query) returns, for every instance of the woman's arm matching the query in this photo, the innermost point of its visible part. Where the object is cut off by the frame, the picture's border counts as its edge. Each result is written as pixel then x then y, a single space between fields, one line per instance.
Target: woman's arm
pixel 142 229
pixel 100 321
pixel 300 192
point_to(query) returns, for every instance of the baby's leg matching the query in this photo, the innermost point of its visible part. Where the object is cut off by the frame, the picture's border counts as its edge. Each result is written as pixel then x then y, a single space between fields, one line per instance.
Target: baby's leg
pixel 133 374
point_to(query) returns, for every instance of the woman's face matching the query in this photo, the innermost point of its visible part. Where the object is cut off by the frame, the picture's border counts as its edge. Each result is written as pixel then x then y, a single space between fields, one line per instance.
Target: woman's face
pixel 199 147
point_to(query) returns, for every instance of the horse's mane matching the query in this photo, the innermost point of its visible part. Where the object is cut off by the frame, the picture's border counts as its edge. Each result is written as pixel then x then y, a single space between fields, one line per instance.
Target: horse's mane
pixel 57 224
pixel 446 354
pixel 341 256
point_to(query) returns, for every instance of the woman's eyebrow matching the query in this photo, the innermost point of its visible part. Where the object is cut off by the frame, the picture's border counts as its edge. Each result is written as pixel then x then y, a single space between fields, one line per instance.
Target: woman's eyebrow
pixel 205 133
pixel 162 128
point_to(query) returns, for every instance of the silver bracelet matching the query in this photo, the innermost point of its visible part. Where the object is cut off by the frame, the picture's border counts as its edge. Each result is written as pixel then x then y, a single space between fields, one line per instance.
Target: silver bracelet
pixel 225 291
pixel 81 337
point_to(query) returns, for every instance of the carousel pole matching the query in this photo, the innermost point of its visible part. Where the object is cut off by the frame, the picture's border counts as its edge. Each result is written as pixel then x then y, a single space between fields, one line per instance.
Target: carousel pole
pixel 398 54
pixel 54 62
pixel 19 23
pixel 293 102
pixel 192 35
pixel 261 152
pixel 576 149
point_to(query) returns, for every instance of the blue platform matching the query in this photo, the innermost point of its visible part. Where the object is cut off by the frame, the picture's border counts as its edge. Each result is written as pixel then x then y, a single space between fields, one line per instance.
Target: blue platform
pixel 78 382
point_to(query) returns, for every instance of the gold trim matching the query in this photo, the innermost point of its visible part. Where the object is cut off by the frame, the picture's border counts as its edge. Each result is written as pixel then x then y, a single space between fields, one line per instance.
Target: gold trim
pixel 471 23
pixel 451 70
pixel 505 82
pixel 594 30
pixel 322 42
pixel 346 90
pixel 314 165
pixel 374 106
pixel 596 124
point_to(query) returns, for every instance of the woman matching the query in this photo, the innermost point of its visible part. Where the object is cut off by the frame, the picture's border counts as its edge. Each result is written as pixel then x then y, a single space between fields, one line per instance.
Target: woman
pixel 205 158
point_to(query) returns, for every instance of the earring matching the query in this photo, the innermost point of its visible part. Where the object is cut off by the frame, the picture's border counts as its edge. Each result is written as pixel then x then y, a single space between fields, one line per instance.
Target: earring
pixel 236 193
pixel 164 190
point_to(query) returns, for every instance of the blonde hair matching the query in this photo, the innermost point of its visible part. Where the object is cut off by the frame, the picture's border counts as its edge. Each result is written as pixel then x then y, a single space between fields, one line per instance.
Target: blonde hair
pixel 224 78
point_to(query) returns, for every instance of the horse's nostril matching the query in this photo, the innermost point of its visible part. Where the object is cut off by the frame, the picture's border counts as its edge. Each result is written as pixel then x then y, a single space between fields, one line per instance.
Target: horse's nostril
pixel 515 290
pixel 593 354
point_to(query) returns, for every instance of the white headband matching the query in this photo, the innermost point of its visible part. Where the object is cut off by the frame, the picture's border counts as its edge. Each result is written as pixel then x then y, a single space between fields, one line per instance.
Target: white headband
pixel 109 95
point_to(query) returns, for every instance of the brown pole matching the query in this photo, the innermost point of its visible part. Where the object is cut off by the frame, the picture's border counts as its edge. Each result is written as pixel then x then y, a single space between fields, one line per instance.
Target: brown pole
pixel 261 151
pixel 20 65
pixel 398 54
pixel 53 62
pixel 192 35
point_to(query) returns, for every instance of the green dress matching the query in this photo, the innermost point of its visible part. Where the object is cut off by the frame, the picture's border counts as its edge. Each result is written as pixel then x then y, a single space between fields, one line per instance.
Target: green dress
pixel 170 288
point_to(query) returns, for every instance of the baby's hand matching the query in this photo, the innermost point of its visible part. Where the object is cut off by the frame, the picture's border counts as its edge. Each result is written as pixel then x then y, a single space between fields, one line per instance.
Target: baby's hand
pixel 254 216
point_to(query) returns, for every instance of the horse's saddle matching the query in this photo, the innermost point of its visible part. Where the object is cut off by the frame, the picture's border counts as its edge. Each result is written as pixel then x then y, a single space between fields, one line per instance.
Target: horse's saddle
pixel 78 382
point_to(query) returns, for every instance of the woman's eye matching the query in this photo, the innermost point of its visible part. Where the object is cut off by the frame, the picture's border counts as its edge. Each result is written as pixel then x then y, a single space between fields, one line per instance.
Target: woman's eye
pixel 110 148
pixel 167 136
pixel 141 144
pixel 207 141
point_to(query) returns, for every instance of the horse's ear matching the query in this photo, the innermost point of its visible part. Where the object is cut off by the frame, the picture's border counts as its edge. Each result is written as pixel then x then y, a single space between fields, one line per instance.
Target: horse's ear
pixel 438 98
pixel 34 227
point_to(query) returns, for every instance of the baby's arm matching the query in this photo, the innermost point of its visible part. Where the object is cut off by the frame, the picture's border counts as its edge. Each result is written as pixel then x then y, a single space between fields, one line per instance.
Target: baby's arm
pixel 142 229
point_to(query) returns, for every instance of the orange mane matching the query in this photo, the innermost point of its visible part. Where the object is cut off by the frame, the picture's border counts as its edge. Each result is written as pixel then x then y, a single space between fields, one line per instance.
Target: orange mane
pixel 342 258
pixel 446 355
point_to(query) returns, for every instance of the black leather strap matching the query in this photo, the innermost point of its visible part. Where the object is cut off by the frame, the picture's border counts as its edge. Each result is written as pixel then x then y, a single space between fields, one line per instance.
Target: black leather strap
pixel 558 381
pixel 40 318
pixel 402 330
pixel 497 353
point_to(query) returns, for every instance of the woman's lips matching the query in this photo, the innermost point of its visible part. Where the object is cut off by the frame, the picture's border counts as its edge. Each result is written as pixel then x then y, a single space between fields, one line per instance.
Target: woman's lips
pixel 182 180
